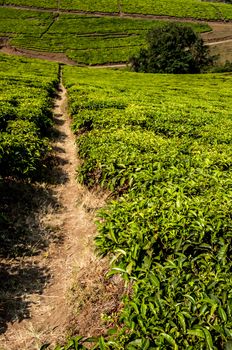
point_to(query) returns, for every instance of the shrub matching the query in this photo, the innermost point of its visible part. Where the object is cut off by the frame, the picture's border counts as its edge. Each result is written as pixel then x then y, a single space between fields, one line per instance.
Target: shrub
pixel 21 149
pixel 172 49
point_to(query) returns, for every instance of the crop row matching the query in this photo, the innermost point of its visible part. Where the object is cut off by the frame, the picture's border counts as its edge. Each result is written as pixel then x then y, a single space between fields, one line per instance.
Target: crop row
pixel 178 8
pixel 26 90
pixel 162 145
pixel 17 22
pixel 85 39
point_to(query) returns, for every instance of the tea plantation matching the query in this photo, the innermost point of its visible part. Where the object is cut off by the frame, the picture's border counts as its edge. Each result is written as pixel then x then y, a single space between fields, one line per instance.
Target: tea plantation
pixel 85 39
pixel 162 145
pixel 26 92
pixel 178 8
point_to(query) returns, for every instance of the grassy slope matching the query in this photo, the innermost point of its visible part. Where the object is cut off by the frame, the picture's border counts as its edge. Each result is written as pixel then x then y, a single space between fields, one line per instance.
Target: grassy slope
pixel 86 39
pixel 162 144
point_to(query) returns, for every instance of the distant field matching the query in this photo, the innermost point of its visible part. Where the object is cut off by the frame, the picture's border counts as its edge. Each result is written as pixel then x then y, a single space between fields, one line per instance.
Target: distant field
pixel 90 5
pixel 87 5
pixel 17 22
pixel 178 8
pixel 85 39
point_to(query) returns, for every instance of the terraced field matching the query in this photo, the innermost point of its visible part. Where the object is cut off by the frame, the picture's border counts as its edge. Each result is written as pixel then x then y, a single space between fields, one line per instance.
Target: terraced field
pixel 85 39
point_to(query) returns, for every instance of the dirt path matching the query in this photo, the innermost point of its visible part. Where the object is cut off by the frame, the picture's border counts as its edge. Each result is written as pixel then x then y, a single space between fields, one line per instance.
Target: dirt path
pixel 49 309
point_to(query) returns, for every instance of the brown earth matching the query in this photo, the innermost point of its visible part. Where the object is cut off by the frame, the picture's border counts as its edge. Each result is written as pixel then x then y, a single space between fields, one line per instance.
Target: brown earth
pixel 39 297
pixel 49 56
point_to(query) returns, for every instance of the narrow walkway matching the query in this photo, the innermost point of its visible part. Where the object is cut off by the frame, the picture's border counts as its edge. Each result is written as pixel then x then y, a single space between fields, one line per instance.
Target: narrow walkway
pixel 73 219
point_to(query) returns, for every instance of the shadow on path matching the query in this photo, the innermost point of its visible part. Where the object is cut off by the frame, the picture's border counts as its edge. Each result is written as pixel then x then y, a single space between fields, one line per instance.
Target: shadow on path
pixel 25 236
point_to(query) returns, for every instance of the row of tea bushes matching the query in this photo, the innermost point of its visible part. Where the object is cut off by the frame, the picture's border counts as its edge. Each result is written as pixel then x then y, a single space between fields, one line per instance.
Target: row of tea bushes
pixel 26 91
pixel 177 8
pixel 162 145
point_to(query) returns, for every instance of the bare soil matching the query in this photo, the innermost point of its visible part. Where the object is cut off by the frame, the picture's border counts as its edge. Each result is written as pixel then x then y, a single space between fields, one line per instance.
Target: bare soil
pixel 38 278
pixel 225 41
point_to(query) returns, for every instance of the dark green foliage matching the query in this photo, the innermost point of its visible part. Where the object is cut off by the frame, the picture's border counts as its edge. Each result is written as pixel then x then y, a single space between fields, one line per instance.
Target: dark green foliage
pixel 21 149
pixel 26 89
pixel 7 113
pixel 172 49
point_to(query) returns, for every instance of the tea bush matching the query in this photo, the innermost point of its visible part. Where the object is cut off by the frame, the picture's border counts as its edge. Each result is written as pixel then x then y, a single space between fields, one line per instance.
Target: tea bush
pixel 162 145
pixel 26 91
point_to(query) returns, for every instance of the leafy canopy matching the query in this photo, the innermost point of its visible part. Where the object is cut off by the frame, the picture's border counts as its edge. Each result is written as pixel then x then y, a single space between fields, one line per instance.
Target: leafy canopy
pixel 173 48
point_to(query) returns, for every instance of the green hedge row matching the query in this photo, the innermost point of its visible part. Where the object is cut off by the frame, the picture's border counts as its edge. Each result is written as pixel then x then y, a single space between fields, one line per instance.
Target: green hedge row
pixel 162 145
pixel 26 92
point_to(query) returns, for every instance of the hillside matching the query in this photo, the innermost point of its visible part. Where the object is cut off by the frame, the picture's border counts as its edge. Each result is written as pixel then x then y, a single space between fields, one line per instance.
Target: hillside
pixel 84 39
pixel 95 38
pixel 115 186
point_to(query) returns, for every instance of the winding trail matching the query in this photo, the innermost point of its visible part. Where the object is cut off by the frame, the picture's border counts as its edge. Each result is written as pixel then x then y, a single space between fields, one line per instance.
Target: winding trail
pixel 50 311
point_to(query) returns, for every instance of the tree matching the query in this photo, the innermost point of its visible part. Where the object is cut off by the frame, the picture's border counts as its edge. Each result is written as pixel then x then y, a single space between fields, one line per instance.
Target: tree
pixel 173 48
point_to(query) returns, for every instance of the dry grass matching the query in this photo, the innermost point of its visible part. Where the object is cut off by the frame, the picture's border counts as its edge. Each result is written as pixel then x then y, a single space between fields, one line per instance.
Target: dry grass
pixel 96 299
